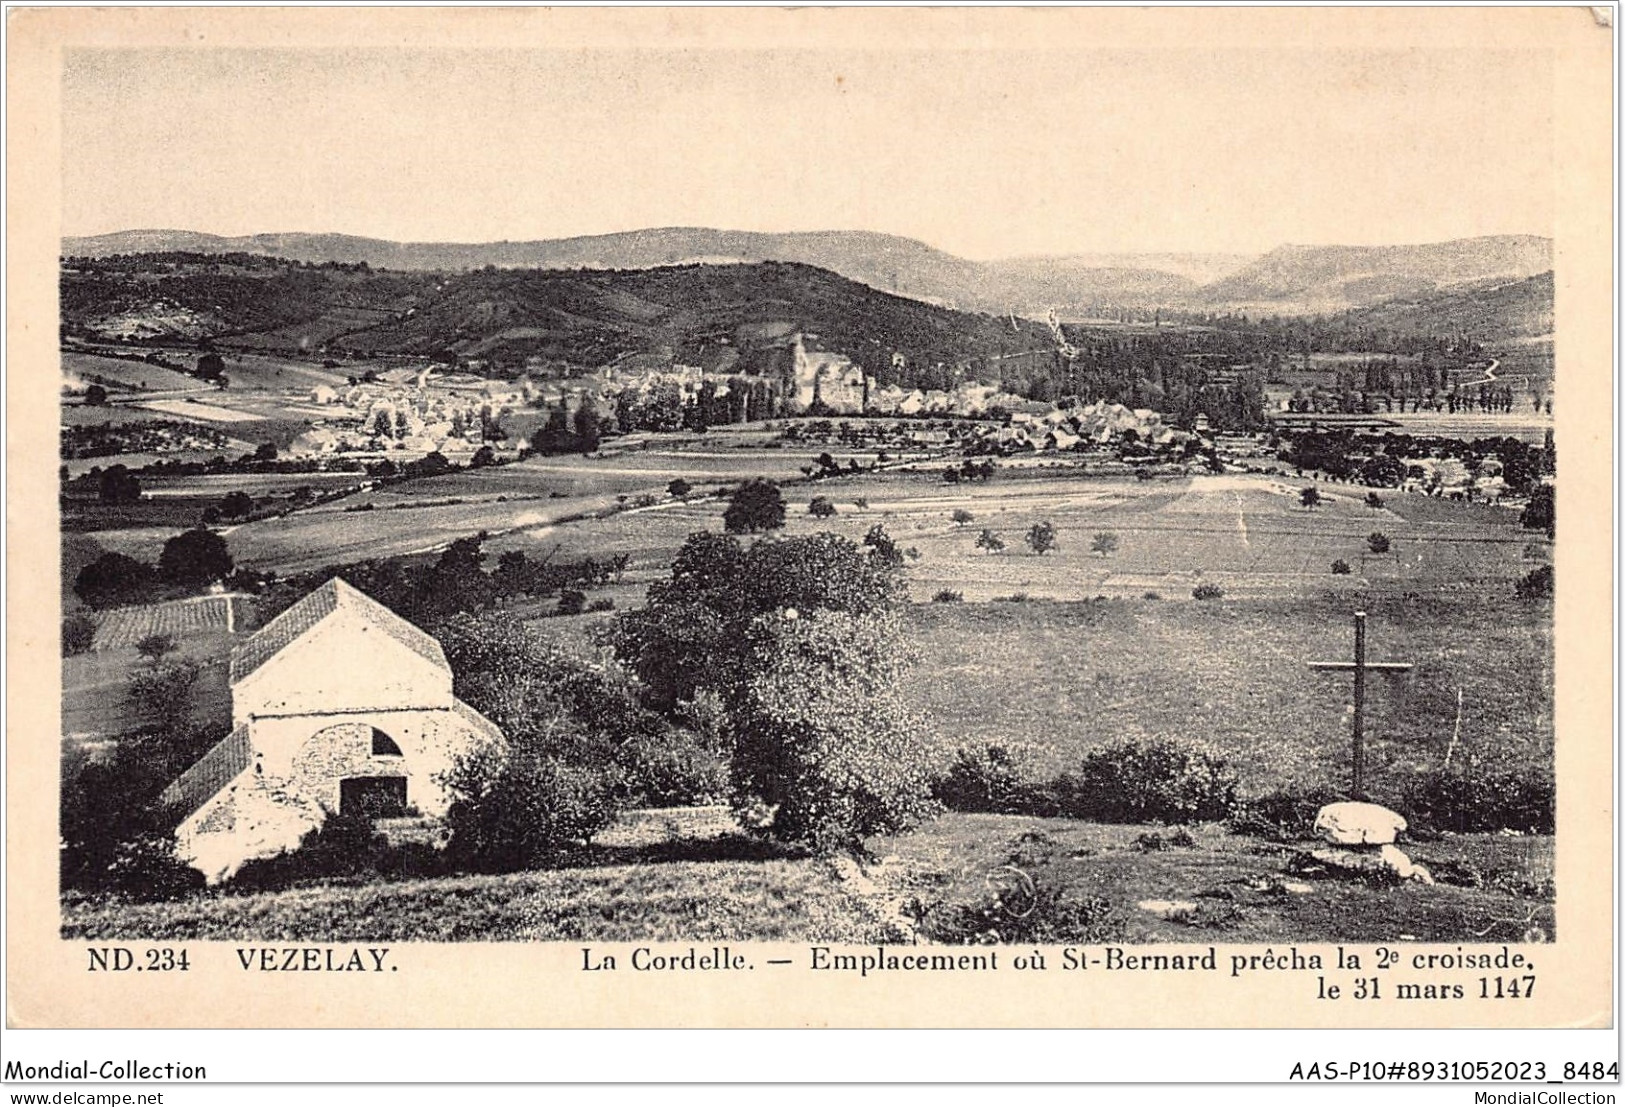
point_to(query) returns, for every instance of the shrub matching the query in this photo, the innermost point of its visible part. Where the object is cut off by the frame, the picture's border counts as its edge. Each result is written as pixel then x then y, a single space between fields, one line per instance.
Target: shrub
pixel 1018 910
pixel 646 499
pixel 960 516
pixel 603 604
pixel 572 602
pixel 1541 511
pixel 673 769
pixel 343 847
pixel 162 694
pixel 1471 801
pixel 1537 583
pixel 679 488
pixel 1378 542
pixel 1340 568
pixel 1309 497
pixel 820 507
pixel 526 812
pixel 1158 780
pixel 989 541
pixel 78 633
pixel 988 779
pixel 948 595
pixel 1105 544
pixel 1207 592
pixel 146 867
pixel 1151 596
pixel 153 647
pixel 1284 814
pixel 860 502
pixel 1014 597
pixel 1372 500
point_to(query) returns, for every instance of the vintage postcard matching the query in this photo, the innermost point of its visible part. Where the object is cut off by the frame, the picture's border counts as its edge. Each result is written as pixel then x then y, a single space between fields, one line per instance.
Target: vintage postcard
pixel 787 518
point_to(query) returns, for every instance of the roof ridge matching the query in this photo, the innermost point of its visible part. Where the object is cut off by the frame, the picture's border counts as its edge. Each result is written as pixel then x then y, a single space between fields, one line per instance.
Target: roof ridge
pixel 314 608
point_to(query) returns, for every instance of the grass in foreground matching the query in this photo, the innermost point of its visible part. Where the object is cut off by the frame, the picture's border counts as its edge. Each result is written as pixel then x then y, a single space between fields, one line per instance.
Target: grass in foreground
pixel 1237 887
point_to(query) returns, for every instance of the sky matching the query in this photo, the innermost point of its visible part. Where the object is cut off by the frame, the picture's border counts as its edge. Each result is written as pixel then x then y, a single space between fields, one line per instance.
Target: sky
pixel 985 153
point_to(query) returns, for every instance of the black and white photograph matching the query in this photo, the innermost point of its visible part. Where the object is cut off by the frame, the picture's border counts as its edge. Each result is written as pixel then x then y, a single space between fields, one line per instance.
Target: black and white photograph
pixel 904 502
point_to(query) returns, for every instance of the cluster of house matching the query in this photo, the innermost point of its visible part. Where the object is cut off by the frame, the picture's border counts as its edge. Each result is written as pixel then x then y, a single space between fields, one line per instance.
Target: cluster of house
pixel 1090 425
pixel 409 415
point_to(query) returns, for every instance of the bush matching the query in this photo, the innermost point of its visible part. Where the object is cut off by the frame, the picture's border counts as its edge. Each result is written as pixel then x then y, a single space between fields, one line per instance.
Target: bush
pixel 820 507
pixel 163 693
pixel 679 488
pixel 989 541
pixel 1372 500
pixel 1466 802
pixel 1537 583
pixel 1014 597
pixel 1207 592
pixel 1158 780
pixel 961 516
pixel 989 779
pixel 146 867
pixel 1285 814
pixel 603 604
pixel 533 808
pixel 572 602
pixel 1541 511
pixel 948 595
pixel 344 847
pixel 860 502
pixel 1340 568
pixel 1023 913
pixel 78 633
pixel 1105 544
pixel 1151 596
pixel 1378 542
pixel 673 769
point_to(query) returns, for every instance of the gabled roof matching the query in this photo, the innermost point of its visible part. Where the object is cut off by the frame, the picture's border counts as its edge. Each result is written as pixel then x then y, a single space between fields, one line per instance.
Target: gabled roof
pixel 332 597
pixel 212 772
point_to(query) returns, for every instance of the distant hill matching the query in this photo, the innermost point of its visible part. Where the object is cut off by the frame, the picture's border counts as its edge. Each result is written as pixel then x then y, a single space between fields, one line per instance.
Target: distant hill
pixel 1290 280
pixel 702 314
pixel 1301 279
pixel 1489 312
pixel 887 262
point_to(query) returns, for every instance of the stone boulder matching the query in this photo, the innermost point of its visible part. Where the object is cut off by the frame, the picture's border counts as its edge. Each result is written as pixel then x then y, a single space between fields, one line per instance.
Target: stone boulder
pixel 1358 824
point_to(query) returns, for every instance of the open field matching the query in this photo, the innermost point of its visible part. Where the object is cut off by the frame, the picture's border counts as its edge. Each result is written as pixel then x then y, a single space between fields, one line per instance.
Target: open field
pixel 130 375
pixel 1055 680
pixel 206 412
pixel 705 885
pixel 1249 535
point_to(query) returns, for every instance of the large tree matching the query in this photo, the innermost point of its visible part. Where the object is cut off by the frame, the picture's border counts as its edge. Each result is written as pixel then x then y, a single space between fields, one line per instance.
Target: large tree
pixel 114 579
pixel 689 636
pixel 756 506
pixel 823 738
pixel 195 557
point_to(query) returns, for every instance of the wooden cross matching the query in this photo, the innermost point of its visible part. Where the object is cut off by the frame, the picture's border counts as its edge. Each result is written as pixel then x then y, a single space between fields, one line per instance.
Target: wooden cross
pixel 1359 667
